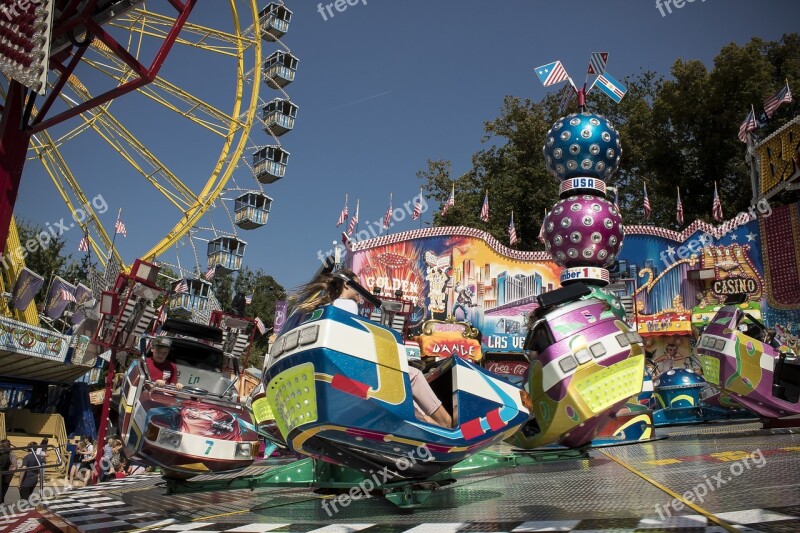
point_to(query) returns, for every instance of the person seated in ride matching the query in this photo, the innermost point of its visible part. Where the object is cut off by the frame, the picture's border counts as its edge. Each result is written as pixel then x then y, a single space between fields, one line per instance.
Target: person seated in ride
pixel 162 372
pixel 329 289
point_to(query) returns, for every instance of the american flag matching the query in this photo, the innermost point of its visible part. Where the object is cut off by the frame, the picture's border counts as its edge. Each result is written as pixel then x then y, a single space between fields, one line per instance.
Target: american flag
pixel 512 232
pixel 647 210
pixel 68 296
pixel 210 274
pixel 784 96
pixel 248 299
pixel 679 209
pixel 541 230
pixel 119 227
pixel 387 218
pixel 83 245
pixel 485 208
pixel 748 125
pixel 616 198
pixel 551 73
pixel 182 287
pixel 346 240
pixel 597 63
pixel 716 209
pixel 353 221
pixel 566 97
pixel 343 214
pixel 450 201
pixel 417 207
pixel 260 326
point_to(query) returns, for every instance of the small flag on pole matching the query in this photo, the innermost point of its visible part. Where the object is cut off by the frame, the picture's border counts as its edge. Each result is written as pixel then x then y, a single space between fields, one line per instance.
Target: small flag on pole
pixel 119 227
pixel 748 125
pixel 387 218
pixel 83 245
pixel 679 209
pixel 566 97
pixel 716 208
pixel 353 221
pixel 647 210
pixel 68 296
pixel 512 231
pixel 784 96
pixel 260 326
pixel 613 89
pixel 248 299
pixel 343 214
pixel 182 287
pixel 210 274
pixel 450 201
pixel 417 206
pixel 597 63
pixel 552 73
pixel 485 208
pixel 616 198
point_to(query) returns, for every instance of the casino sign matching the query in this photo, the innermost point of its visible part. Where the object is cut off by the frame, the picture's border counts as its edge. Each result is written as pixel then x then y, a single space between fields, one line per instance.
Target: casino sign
pixel 735 285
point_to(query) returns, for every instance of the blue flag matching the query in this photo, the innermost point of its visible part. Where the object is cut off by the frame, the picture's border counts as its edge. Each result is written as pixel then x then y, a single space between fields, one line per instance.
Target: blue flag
pixel 25 288
pixel 614 89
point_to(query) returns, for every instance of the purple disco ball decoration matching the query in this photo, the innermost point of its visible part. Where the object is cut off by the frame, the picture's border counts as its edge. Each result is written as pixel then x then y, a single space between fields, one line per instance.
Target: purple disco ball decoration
pixel 583 231
pixel 582 145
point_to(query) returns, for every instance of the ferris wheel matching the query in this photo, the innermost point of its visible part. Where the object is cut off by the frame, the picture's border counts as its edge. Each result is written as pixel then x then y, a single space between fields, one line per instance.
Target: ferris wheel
pixel 178 140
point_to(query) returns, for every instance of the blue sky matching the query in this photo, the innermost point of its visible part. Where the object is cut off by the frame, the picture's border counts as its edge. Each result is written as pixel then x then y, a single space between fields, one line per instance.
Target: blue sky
pixel 382 87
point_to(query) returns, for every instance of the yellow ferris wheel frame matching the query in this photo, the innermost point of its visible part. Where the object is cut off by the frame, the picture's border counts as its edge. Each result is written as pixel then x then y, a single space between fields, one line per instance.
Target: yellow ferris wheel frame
pixel 192 206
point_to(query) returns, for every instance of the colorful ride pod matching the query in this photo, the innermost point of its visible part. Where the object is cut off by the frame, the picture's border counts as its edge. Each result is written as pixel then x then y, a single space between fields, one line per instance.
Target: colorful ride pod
pixel 226 253
pixel 251 209
pixel 269 163
pixel 339 388
pixel 274 20
pixel 278 116
pixel 280 69
pixel 762 376
pixel 189 295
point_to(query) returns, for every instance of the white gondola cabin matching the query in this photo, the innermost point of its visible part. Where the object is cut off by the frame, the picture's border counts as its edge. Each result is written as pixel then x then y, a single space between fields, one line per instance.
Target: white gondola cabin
pixel 226 253
pixel 279 69
pixel 269 163
pixel 189 295
pixel 251 209
pixel 278 116
pixel 274 20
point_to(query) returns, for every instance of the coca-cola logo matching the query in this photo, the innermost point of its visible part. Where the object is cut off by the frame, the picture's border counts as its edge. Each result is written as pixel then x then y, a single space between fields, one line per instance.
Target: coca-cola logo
pixel 509 368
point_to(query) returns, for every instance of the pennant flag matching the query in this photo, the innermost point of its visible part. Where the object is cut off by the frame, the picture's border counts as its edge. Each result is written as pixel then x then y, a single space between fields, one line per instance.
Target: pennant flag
pixel 613 89
pixel 597 63
pixel 566 98
pixel 83 296
pixel 57 302
pixel 417 206
pixel 280 316
pixel 679 209
pixel 68 296
pixel 387 218
pixel 784 96
pixel 647 210
pixel 210 274
pixel 260 326
pixel 119 227
pixel 83 245
pixel 353 221
pixel 748 125
pixel 450 201
pixel 716 208
pixel 248 299
pixel 25 288
pixel 512 231
pixel 541 230
pixel 346 241
pixel 485 208
pixel 343 214
pixel 616 198
pixel 182 287
pixel 552 73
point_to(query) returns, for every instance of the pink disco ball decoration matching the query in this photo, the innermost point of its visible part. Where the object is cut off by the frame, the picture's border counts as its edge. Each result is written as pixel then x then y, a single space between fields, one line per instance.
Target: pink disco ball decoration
pixel 583 231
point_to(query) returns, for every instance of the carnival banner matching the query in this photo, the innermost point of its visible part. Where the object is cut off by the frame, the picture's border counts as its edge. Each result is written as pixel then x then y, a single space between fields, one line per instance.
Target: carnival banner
pixel 83 297
pixel 27 285
pixel 58 298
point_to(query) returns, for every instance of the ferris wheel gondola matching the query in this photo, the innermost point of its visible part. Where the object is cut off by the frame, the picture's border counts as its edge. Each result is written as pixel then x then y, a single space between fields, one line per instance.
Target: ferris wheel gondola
pixel 274 21
pixel 251 209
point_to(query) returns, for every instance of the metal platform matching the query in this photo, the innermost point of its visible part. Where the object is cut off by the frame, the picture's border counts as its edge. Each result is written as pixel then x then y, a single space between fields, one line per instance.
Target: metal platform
pixel 738 477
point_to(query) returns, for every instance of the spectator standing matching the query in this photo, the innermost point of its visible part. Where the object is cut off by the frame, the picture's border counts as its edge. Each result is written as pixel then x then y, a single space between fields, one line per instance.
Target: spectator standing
pixel 30 477
pixel 7 464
